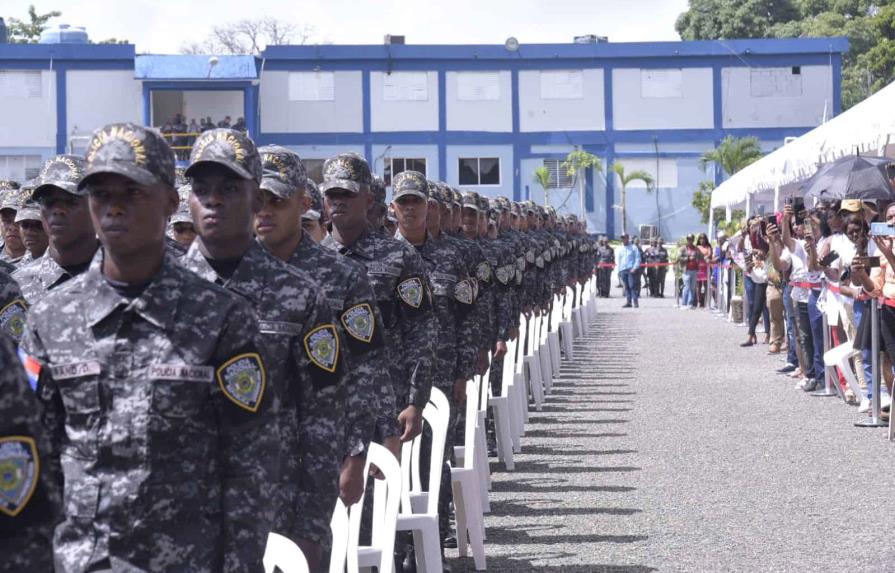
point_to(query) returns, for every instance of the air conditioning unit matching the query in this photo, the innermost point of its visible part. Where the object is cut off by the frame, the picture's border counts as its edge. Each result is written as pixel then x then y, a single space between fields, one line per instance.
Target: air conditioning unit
pixel 393 40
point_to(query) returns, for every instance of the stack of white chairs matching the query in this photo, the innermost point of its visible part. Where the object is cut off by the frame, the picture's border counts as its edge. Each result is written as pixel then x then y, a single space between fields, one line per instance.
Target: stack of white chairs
pixel 402 502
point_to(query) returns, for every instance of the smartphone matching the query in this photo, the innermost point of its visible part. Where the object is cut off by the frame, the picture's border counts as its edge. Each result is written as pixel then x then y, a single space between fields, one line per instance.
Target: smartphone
pixel 882 230
pixel 831 256
pixel 771 220
pixel 868 262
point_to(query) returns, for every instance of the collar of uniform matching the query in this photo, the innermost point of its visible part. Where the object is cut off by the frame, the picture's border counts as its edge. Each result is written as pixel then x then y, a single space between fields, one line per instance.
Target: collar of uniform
pixel 304 252
pixel 244 279
pixel 362 247
pixel 50 271
pixel 157 304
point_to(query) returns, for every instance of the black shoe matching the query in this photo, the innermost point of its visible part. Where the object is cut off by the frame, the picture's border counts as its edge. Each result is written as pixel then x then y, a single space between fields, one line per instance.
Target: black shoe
pixel 636 305
pixel 450 542
pixel 627 305
pixel 787 369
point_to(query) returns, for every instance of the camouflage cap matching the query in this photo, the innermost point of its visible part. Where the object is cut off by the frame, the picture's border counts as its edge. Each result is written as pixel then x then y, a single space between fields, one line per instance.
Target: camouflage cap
pixel 410 183
pixel 10 196
pixel 183 214
pixel 29 212
pixel 315 209
pixel 377 188
pixel 180 179
pixel 282 172
pixel 456 195
pixel 63 172
pixel 133 151
pixel 471 200
pixel 229 148
pixel 496 205
pixel 528 207
pixel 483 204
pixel 347 171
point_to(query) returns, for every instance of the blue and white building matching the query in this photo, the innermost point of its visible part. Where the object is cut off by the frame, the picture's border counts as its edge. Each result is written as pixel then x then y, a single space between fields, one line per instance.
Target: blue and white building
pixel 479 117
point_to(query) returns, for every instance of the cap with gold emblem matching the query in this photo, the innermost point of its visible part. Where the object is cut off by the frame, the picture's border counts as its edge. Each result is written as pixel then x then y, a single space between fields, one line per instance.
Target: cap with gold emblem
pixel 282 172
pixel 347 171
pixel 62 172
pixel 133 151
pixel 410 183
pixel 229 148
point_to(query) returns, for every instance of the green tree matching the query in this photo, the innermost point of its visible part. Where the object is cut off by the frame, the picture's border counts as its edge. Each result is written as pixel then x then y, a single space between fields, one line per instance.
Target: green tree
pixel 542 178
pixel 624 180
pixel 28 32
pixel 702 200
pixel 732 154
pixel 575 164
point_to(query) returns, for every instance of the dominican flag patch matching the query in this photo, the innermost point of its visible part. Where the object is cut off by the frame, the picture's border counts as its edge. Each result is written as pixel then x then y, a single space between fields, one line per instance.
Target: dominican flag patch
pixel 32 368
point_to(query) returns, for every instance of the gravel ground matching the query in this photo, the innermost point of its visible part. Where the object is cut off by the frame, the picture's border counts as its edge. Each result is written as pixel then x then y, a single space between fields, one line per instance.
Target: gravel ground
pixel 667 447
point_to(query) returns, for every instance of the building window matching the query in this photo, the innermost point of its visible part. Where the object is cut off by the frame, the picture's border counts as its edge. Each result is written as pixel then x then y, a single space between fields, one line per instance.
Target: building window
pixel 559 176
pixel 478 86
pixel 405 86
pixel 661 84
pixel 21 84
pixel 562 84
pixel 395 165
pixel 20 168
pixel 775 82
pixel 312 86
pixel 479 171
pixel 314 168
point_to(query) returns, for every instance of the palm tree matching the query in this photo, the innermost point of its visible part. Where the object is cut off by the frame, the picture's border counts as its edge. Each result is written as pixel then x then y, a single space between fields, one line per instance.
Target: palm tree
pixel 624 180
pixel 542 178
pixel 732 154
pixel 576 164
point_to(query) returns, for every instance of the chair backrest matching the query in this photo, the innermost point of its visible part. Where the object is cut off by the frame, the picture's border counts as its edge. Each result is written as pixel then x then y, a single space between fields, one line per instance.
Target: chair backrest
pixel 338 524
pixel 509 365
pixel 472 415
pixel 436 414
pixel 386 502
pixel 283 553
pixel 485 385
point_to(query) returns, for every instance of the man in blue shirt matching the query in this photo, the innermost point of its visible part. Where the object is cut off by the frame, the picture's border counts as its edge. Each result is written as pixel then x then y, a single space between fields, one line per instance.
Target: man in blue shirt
pixel 627 262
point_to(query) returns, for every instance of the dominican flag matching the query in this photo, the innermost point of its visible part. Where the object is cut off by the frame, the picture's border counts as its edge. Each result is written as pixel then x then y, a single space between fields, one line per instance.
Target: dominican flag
pixel 32 368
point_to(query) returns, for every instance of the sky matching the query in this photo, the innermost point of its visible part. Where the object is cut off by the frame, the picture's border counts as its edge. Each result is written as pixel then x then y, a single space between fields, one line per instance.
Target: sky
pixel 164 26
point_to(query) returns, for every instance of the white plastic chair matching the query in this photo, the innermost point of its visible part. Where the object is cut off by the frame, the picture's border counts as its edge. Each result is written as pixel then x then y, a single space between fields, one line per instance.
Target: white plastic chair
pixel 544 355
pixel 386 502
pixel 466 485
pixel 840 356
pixel 503 410
pixel 532 369
pixel 510 390
pixel 338 524
pixel 283 553
pixel 419 509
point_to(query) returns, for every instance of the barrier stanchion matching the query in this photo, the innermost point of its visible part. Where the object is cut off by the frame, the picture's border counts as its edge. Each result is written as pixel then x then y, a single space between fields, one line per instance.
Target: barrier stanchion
pixel 874 420
pixel 830 377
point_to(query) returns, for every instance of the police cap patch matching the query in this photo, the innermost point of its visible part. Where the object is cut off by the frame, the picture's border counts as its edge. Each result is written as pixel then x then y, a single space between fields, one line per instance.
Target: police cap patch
pixel 19 473
pixel 359 322
pixel 243 380
pixel 322 346
pixel 12 319
pixel 411 292
pixel 463 292
pixel 483 272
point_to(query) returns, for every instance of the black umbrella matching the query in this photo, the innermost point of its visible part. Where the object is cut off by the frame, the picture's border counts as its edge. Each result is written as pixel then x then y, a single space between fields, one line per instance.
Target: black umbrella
pixel 851 177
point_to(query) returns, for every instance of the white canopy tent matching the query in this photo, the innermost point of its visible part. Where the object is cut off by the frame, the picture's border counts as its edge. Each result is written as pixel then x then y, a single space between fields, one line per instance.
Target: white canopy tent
pixel 865 128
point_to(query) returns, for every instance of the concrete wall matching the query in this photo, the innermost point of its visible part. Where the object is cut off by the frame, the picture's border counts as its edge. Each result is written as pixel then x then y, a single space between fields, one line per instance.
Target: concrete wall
pixel 540 114
pixel 403 115
pixel 342 115
pixel 662 99
pixel 217 104
pixel 465 113
pixel 28 108
pixel 96 98
pixel 775 97
pixel 503 152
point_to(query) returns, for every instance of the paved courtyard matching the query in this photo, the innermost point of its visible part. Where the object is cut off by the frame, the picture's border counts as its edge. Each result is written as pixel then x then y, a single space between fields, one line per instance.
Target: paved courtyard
pixel 667 447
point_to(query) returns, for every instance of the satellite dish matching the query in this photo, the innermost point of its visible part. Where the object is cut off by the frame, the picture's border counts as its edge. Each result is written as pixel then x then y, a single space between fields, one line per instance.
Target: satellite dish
pixel 512 44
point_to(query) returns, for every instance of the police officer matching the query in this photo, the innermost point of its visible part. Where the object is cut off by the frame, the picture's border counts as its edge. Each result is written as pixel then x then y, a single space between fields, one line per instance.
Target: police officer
pixel 10 202
pixel 32 480
pixel 398 278
pixel 313 220
pixel 348 295
pixel 181 227
pixel 299 340
pixel 605 263
pixel 660 254
pixel 72 238
pixel 378 210
pixel 154 394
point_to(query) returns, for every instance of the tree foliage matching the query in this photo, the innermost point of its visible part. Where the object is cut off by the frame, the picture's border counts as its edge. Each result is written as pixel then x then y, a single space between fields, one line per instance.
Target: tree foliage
pixel 542 177
pixel 869 25
pixel 28 31
pixel 249 37
pixel 732 154
pixel 625 179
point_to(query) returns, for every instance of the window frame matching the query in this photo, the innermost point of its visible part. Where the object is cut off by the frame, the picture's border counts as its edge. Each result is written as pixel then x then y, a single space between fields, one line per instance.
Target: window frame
pixel 478 160
pixel 388 169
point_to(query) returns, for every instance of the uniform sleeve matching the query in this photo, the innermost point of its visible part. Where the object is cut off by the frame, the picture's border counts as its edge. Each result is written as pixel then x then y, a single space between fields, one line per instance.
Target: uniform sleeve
pixel 417 325
pixel 369 391
pixel 322 408
pixel 468 325
pixel 249 446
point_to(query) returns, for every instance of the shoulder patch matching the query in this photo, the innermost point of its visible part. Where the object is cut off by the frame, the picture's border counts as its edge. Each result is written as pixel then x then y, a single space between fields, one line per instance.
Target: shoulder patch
pixel 463 292
pixel 12 318
pixel 411 291
pixel 359 322
pixel 19 473
pixel 483 272
pixel 243 380
pixel 322 347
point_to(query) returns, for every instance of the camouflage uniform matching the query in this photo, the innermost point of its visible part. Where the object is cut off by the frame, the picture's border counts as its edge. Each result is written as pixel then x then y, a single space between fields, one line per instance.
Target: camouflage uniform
pixel 10 199
pixel 399 282
pixel 302 349
pixel 13 307
pixel 156 403
pixel 37 277
pixel 32 481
